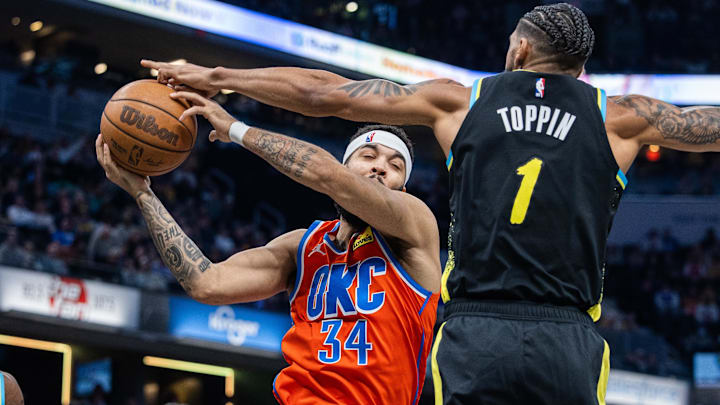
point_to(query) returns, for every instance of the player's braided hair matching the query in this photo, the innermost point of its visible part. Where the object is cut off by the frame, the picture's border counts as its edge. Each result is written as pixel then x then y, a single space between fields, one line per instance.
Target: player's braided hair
pixel 567 29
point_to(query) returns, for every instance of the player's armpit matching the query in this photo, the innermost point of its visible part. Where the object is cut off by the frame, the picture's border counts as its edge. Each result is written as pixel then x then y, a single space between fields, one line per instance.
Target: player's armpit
pixel 651 121
pixel 252 274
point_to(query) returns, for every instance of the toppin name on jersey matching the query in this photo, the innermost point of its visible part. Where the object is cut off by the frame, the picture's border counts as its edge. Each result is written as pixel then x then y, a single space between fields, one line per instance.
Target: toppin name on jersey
pixel 538 119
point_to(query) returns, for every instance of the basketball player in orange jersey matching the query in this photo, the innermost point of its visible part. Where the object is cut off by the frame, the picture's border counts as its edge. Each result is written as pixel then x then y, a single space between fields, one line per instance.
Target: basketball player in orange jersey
pixel 537 163
pixel 10 393
pixel 363 289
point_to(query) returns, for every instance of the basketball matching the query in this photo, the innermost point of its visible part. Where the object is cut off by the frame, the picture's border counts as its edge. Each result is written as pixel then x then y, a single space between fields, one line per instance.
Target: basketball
pixel 142 128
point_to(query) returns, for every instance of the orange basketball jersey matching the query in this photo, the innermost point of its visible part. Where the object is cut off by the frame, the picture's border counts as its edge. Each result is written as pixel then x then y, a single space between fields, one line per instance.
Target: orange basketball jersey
pixel 362 327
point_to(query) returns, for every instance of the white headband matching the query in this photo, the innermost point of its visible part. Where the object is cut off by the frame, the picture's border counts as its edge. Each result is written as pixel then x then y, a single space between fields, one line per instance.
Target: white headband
pixel 384 138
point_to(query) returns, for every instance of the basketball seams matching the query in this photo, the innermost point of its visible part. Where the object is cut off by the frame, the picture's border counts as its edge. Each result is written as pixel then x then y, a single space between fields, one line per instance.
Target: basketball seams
pixel 142 141
pixel 159 108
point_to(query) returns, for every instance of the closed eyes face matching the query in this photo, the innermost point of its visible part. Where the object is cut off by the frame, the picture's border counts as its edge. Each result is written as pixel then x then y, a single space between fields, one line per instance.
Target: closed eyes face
pixel 379 162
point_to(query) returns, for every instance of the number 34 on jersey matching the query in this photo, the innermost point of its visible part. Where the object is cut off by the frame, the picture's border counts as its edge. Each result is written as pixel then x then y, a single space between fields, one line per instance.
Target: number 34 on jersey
pixel 333 294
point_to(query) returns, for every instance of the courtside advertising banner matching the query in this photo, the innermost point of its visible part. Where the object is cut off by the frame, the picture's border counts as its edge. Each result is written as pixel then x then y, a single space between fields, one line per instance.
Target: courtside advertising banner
pixel 706 370
pixel 68 298
pixel 628 388
pixel 374 60
pixel 230 324
pixel 293 38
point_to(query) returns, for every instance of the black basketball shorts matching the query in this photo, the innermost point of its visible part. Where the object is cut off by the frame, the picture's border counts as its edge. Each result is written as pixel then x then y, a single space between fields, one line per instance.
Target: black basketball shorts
pixel 494 353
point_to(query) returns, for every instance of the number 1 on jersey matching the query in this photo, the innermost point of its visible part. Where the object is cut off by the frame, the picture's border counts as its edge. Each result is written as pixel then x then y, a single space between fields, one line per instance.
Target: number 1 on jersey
pixel 529 172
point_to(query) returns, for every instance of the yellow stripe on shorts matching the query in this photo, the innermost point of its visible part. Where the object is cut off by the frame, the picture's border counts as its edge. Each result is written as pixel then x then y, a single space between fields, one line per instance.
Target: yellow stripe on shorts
pixel 604 374
pixel 437 381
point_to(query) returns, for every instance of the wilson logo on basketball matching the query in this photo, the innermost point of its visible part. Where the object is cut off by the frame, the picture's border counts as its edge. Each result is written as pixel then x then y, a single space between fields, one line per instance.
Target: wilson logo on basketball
pixel 146 123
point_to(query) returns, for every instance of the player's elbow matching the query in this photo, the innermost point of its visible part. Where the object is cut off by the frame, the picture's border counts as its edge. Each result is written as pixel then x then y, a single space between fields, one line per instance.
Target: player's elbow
pixel 331 179
pixel 205 290
pixel 208 295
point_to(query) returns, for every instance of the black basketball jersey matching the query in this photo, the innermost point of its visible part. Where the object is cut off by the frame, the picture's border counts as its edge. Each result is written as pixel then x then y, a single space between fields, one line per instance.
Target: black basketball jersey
pixel 534 188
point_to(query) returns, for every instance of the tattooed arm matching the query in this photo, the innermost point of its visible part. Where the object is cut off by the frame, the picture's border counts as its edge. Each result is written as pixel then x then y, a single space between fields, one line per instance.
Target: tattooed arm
pixel 440 104
pixel 249 275
pixel 649 121
pixel 392 212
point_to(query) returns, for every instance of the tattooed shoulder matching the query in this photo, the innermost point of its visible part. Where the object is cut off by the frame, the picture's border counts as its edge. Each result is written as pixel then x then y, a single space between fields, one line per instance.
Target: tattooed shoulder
pixel 386 88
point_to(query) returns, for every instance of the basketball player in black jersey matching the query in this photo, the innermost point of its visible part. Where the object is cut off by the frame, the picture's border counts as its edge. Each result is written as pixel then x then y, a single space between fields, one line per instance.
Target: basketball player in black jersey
pixel 537 161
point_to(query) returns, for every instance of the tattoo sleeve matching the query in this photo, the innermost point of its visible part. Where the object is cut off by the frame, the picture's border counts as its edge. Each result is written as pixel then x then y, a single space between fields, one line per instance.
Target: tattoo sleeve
pixel 693 125
pixel 290 156
pixel 179 253
pixel 385 88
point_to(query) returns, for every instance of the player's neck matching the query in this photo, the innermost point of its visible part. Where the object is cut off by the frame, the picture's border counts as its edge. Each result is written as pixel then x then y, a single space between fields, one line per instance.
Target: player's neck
pixel 345 232
pixel 547 67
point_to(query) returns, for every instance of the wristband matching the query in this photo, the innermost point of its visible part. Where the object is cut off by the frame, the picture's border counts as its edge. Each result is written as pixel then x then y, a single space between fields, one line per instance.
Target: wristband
pixel 237 132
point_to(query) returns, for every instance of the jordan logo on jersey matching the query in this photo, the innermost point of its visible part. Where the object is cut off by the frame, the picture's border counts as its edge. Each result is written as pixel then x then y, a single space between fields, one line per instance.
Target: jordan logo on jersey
pixel 317 249
pixel 540 88
pixel 331 286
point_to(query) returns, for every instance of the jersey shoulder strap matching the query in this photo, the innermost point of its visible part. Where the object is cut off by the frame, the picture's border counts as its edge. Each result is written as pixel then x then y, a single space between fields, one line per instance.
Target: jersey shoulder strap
pixel 601 102
pixel 300 259
pixel 2 388
pixel 474 95
pixel 601 99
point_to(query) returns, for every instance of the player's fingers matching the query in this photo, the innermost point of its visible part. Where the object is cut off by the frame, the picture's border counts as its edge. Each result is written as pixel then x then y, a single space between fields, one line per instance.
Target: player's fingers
pixel 162 76
pixel 150 64
pixel 98 148
pixel 110 167
pixel 213 136
pixel 194 98
pixel 106 156
pixel 106 160
pixel 193 111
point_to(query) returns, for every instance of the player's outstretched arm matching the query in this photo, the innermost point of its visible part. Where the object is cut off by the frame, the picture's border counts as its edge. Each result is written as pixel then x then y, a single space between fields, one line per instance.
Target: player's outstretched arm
pixel 249 275
pixel 393 213
pixel 321 93
pixel 650 121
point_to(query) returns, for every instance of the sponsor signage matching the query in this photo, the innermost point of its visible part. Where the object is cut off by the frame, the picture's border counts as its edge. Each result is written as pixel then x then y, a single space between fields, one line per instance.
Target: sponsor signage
pixel 349 53
pixel 68 298
pixel 628 388
pixel 706 370
pixel 230 324
pixel 293 38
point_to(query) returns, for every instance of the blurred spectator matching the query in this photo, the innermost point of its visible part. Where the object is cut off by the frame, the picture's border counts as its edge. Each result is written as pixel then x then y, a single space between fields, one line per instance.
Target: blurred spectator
pixel 12 254
pixel 49 261
pixel 667 301
pixel 707 311
pixel 695 267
